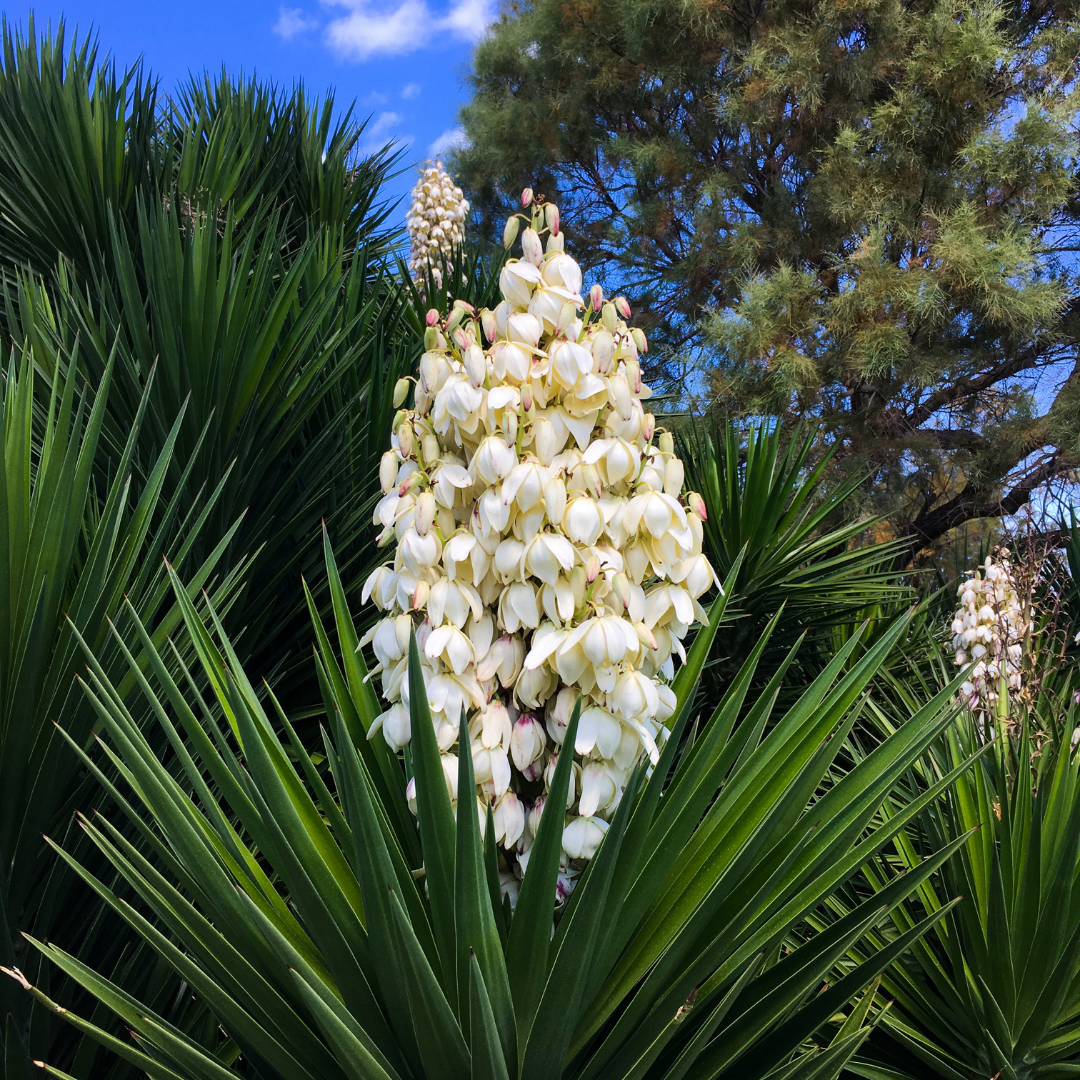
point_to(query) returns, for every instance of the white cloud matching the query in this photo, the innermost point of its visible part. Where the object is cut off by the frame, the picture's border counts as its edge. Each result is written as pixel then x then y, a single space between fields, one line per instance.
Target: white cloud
pixel 293 21
pixel 371 29
pixel 382 123
pixel 451 139
pixel 410 91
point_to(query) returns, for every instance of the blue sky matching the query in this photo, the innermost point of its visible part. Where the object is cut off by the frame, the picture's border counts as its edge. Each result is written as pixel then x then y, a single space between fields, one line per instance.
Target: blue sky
pixel 402 61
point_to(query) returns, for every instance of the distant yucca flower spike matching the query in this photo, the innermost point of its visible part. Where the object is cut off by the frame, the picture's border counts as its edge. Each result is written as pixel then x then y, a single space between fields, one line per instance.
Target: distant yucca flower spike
pixel 988 633
pixel 436 222
pixel 544 549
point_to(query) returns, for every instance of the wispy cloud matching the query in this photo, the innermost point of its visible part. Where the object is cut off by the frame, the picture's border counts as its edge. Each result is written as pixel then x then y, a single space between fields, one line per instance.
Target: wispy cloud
pixel 449 140
pixel 382 124
pixel 410 91
pixel 370 29
pixel 293 21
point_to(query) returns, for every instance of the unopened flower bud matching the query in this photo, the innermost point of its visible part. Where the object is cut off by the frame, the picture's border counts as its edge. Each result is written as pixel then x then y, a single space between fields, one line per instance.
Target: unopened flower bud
pixel 425 513
pixel 527 197
pixel 592 569
pixel 455 319
pixel 640 340
pixel 611 322
pixel 578 584
pixel 551 216
pixel 510 231
pixel 623 306
pixel 544 440
pixel 620 586
pixel 429 444
pixel 527 397
pixel 420 596
pixel 591 477
pixel 633 375
pixel 531 247
pixel 401 392
pixel 388 467
pixel 666 443
pixel 431 338
pixel 696 505
pixel 596 297
pixel 399 419
pixel 475 365
pixel 619 393
pixel 460 339
pixel 405 440
pixel 413 480
pixel 555 500
pixel 510 426
pixel 673 477
pixel 567 315
pixel 648 426
pixel 432 317
pixel 490 325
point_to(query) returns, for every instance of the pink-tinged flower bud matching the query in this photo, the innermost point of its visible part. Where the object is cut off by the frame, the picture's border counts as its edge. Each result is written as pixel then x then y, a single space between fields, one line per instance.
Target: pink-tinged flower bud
pixel 596 297
pixel 465 306
pixel 611 321
pixel 640 340
pixel 527 741
pixel 633 375
pixel 460 339
pixel 405 440
pixel 420 596
pixel 490 325
pixel 533 820
pixel 592 569
pixel 425 513
pixel 620 586
pixel 455 319
pixel 696 505
pixel 527 197
pixel 411 481
pixel 623 306
pixel 551 212
pixel 527 397
pixel 432 317
pixel 401 392
pixel 510 231
pixel 388 467
pixel 531 247
pixel 648 426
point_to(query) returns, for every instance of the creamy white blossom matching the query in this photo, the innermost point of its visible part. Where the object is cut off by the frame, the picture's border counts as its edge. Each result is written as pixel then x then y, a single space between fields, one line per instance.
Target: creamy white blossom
pixel 989 631
pixel 436 222
pixel 543 548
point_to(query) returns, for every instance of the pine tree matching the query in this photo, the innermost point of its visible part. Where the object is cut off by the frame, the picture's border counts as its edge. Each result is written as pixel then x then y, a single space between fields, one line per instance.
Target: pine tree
pixel 860 214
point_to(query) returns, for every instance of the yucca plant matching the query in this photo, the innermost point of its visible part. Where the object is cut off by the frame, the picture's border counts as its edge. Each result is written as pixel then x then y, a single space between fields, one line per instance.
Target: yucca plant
pixel 769 509
pixel 331 934
pixel 77 535
pixel 234 237
pixel 994 988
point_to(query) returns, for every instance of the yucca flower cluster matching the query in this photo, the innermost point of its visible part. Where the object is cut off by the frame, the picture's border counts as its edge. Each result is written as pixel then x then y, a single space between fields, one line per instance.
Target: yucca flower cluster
pixel 544 547
pixel 988 630
pixel 436 222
